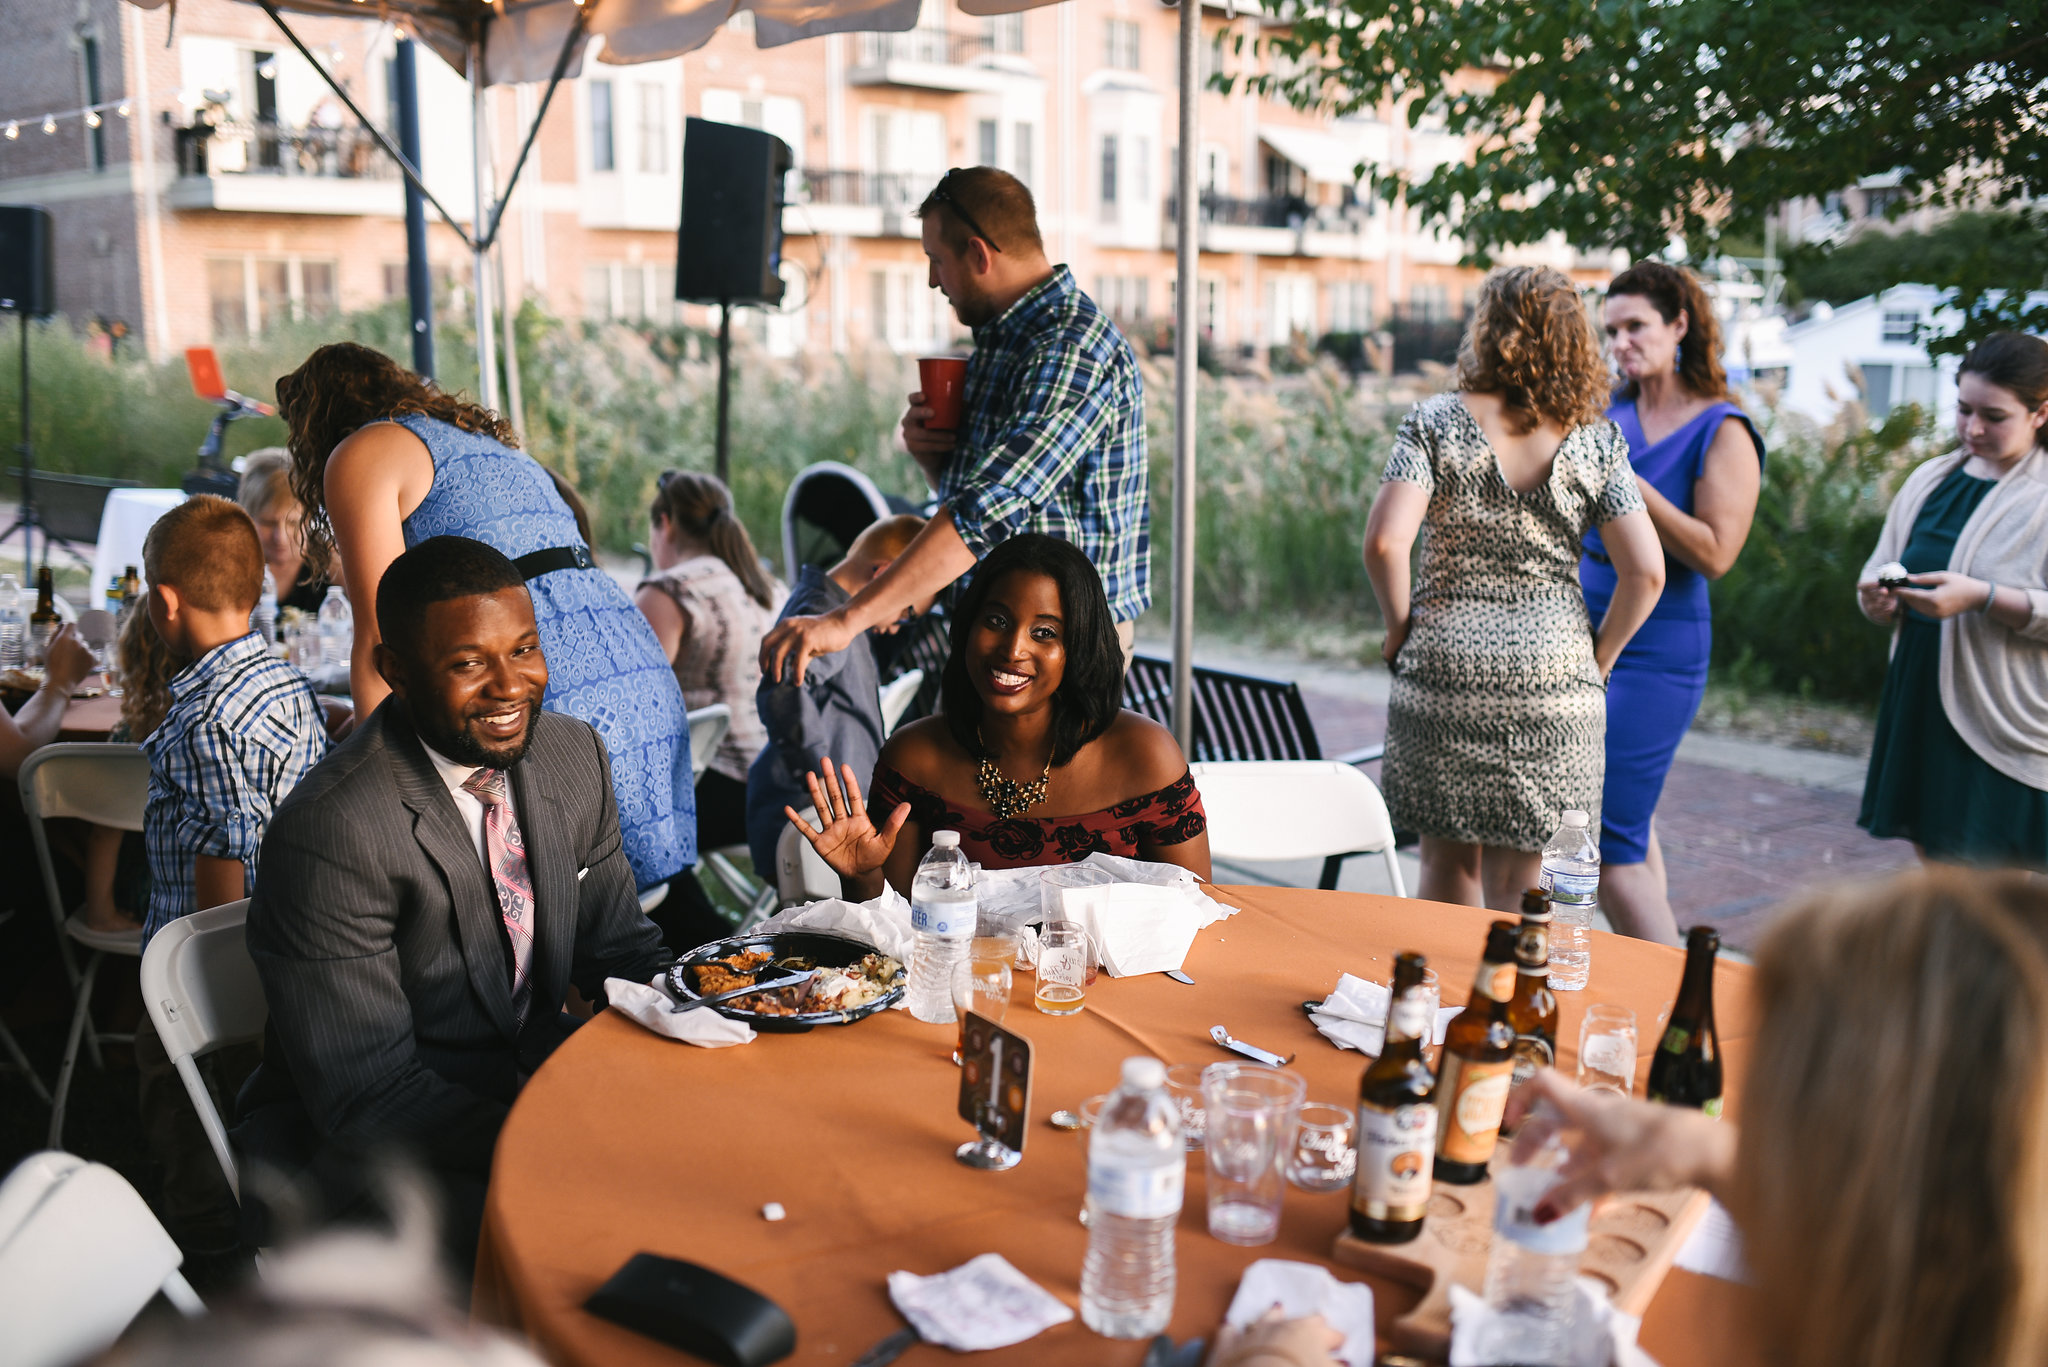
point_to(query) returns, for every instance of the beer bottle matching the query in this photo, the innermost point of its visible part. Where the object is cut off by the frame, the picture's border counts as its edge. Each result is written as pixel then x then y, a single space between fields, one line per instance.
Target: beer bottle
pixel 131 587
pixel 44 621
pixel 1477 1066
pixel 1396 1119
pixel 1686 1069
pixel 1533 1009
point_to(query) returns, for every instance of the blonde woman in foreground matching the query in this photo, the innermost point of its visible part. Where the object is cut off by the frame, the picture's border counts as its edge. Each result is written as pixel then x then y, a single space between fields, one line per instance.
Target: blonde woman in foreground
pixel 1890 1174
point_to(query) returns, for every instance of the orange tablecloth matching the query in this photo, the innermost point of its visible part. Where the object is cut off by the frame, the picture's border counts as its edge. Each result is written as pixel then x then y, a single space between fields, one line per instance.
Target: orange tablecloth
pixel 90 718
pixel 625 1142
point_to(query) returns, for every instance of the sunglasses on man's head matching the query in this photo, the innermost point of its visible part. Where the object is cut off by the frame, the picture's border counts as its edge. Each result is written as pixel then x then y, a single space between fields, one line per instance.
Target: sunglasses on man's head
pixel 941 195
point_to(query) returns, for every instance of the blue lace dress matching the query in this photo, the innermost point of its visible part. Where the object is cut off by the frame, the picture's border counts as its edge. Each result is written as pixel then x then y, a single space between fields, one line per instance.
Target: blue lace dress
pixel 604 663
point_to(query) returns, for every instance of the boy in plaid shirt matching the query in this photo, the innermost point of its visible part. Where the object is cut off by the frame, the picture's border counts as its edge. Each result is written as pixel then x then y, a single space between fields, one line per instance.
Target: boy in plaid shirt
pixel 243 728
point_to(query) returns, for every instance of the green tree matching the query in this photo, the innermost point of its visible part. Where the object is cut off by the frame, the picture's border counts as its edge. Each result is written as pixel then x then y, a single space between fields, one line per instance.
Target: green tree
pixel 1634 123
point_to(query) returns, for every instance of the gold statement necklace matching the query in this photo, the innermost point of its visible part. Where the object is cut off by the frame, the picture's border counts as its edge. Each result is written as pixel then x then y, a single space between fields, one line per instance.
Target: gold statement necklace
pixel 1006 797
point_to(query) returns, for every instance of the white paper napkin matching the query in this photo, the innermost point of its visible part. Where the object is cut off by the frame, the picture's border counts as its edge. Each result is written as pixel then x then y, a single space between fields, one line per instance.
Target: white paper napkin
pixel 1355 1016
pixel 1305 1289
pixel 1601 1336
pixel 883 921
pixel 1137 927
pixel 652 1007
pixel 983 1303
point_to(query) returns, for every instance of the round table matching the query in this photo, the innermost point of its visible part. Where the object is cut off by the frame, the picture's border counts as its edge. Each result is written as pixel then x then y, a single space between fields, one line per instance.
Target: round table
pixel 625 1142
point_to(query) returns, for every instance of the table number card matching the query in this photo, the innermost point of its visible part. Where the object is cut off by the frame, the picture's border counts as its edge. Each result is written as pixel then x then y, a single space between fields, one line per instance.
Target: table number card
pixel 995 1083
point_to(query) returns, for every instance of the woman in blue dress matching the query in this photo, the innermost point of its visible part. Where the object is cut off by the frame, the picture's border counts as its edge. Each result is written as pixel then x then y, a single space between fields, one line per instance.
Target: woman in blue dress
pixel 1699 464
pixel 383 460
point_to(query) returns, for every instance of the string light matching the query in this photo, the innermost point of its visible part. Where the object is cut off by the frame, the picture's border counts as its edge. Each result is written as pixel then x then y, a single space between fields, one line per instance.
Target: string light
pixel 13 130
pixel 93 115
pixel 49 123
pixel 124 109
pixel 92 118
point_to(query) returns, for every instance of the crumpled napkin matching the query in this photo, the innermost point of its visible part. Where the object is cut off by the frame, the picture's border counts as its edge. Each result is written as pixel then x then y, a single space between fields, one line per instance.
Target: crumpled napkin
pixel 1013 896
pixel 883 921
pixel 1601 1336
pixel 983 1303
pixel 1137 927
pixel 1305 1289
pixel 1355 1015
pixel 648 1005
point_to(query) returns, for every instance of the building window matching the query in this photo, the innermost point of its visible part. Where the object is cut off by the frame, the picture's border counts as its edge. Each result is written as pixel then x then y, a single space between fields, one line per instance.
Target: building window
pixel 1108 176
pixel 985 141
pixel 228 295
pixel 1122 45
pixel 600 125
pixel 1123 297
pixel 1901 326
pixel 249 295
pixel 1429 302
pixel 1877 203
pixel 1215 171
pixel 317 295
pixel 89 73
pixel 1351 306
pixel 1141 169
pixel 1004 32
pixel 1021 151
pixel 653 129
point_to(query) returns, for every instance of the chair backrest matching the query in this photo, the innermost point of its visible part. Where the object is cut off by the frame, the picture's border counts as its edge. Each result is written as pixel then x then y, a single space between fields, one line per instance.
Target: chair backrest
pixel 708 726
pixel 896 696
pixel 94 781
pixel 800 875
pixel 1263 810
pixel 81 1264
pixel 1237 716
pixel 826 506
pixel 200 984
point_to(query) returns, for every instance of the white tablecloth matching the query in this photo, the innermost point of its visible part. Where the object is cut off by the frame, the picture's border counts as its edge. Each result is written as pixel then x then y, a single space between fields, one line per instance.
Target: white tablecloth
pixel 128 516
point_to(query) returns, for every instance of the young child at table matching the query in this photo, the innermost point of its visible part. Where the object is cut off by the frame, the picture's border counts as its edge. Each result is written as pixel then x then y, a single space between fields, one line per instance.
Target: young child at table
pixel 241 730
pixel 116 866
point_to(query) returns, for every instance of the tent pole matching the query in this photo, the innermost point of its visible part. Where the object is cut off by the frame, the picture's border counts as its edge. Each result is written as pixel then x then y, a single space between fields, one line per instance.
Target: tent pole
pixel 1186 335
pixel 480 273
pixel 419 279
pixel 722 457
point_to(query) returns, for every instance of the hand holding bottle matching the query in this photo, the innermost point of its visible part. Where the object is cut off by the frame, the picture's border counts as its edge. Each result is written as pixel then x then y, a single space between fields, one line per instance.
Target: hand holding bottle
pixel 1617 1143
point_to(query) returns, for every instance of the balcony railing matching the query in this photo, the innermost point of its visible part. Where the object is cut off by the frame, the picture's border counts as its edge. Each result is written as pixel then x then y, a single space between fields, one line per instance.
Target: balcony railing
pixel 1274 211
pixel 894 190
pixel 938 47
pixel 269 149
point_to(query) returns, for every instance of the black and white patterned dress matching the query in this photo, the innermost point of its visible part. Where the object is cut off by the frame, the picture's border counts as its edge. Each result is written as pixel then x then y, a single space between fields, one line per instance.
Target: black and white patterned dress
pixel 1497 719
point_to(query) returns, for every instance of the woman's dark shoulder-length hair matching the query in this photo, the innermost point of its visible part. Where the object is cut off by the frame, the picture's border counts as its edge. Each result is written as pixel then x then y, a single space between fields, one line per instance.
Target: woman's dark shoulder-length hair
pixel 1091 694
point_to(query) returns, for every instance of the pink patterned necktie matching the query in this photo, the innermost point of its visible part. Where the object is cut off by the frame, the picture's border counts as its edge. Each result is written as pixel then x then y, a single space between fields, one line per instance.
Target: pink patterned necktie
pixel 507 849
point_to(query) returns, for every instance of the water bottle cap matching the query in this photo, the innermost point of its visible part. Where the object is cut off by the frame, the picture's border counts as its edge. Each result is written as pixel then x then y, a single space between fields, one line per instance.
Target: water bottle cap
pixel 945 840
pixel 1574 817
pixel 1146 1074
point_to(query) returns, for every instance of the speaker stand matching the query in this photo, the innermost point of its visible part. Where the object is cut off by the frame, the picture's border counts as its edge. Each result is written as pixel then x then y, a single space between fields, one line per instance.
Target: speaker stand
pixel 723 457
pixel 30 519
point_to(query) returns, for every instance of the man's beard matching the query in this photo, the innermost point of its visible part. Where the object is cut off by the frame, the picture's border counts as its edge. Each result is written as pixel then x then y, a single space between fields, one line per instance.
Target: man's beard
pixel 462 744
pixel 973 310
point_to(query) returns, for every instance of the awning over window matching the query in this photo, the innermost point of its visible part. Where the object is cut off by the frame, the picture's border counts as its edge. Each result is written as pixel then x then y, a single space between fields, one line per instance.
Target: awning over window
pixel 1326 157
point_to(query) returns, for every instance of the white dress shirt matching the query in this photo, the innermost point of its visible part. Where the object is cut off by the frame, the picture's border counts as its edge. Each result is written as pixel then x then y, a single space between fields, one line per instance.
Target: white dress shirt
pixel 468 804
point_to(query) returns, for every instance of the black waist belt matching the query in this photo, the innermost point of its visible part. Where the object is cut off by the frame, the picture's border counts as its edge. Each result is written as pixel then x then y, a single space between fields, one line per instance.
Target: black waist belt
pixel 555 558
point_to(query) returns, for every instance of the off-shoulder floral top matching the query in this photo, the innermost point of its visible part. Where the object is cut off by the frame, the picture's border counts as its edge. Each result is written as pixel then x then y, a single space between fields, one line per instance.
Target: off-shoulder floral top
pixel 1168 816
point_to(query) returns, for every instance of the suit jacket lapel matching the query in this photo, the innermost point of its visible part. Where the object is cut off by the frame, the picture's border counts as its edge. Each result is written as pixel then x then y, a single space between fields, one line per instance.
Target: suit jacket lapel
pixel 447 841
pixel 557 898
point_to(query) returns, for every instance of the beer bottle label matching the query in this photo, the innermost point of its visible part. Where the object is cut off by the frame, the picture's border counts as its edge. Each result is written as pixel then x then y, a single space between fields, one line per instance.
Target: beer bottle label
pixel 1396 1148
pixel 1532 1054
pixel 1475 1096
pixel 1675 1040
pixel 1409 1019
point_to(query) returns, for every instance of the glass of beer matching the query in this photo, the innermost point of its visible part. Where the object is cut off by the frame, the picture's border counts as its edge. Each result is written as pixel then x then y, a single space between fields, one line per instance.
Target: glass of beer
pixel 1064 956
pixel 1607 1049
pixel 983 987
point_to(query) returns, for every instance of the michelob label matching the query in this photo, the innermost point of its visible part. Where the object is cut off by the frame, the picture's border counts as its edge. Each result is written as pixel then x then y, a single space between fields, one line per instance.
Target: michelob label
pixel 1474 1095
pixel 1395 1151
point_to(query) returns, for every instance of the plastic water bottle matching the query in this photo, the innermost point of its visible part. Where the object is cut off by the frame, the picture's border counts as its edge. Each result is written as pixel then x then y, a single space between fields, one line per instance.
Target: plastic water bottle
pixel 941 924
pixel 1571 877
pixel 337 627
pixel 13 623
pixel 1530 1269
pixel 264 618
pixel 1137 1169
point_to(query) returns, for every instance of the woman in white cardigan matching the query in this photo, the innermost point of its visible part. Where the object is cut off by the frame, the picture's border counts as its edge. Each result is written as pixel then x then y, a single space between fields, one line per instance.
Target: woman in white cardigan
pixel 1960 763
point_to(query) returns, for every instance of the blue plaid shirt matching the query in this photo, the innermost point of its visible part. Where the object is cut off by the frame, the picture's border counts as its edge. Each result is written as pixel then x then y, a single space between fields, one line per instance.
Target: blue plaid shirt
pixel 1054 439
pixel 242 730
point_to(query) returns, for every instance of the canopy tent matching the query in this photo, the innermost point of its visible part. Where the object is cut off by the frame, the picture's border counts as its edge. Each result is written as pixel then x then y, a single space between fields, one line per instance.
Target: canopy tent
pixel 515 41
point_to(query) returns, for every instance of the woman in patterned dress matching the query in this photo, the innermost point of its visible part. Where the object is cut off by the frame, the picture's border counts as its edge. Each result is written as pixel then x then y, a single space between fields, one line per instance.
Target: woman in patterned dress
pixel 383 460
pixel 1031 723
pixel 1498 714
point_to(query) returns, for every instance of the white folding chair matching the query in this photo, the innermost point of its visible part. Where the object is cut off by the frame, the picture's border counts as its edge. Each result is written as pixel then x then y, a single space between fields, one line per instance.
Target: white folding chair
pixel 896 696
pixel 1271 810
pixel 800 875
pixel 108 785
pixel 201 988
pixel 80 1256
pixel 708 726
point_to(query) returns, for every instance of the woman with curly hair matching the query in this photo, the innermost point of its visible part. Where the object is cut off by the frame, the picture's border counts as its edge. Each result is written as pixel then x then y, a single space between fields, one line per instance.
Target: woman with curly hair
pixel 1031 721
pixel 382 460
pixel 1498 711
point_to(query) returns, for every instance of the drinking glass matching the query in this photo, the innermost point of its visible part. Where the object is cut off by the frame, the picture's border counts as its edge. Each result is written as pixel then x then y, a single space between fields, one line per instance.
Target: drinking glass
pixel 1064 956
pixel 983 987
pixel 1054 881
pixel 1607 1049
pixel 1324 1155
pixel 1251 1112
pixel 1184 1084
pixel 1090 1111
pixel 1571 945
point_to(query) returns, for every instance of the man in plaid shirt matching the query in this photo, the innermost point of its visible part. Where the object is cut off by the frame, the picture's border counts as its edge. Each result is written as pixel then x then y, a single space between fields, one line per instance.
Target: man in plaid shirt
pixel 1053 427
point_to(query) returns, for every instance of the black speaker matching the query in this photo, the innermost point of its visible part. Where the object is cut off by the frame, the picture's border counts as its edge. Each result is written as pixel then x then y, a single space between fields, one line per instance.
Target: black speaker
pixel 28 265
pixel 730 247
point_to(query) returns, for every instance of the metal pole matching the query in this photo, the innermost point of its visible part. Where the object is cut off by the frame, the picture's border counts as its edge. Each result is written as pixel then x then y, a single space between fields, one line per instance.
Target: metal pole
pixel 480 273
pixel 419 277
pixel 28 475
pixel 515 404
pixel 724 391
pixel 1186 329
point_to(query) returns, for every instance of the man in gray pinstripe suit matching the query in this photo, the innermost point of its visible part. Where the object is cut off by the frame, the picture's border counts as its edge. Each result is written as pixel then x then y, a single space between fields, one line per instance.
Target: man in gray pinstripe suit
pixel 428 893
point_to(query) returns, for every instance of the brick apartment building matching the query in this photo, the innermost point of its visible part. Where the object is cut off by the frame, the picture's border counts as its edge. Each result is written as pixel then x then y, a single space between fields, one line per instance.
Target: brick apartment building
pixel 232 189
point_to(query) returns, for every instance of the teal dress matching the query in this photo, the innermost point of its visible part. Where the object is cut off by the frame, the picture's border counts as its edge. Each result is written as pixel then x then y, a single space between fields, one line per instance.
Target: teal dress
pixel 1926 784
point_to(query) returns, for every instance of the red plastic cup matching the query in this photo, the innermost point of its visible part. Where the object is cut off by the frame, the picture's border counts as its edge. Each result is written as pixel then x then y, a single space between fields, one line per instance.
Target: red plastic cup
pixel 944 380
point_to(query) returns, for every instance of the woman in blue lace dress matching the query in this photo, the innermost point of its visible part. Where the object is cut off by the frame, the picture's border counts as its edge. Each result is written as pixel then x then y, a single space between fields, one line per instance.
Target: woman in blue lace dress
pixel 383 460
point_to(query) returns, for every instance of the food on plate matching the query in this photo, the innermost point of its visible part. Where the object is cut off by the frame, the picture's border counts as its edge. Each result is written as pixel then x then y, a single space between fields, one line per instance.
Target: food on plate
pixel 21 680
pixel 843 989
pixel 734 971
pixel 831 989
